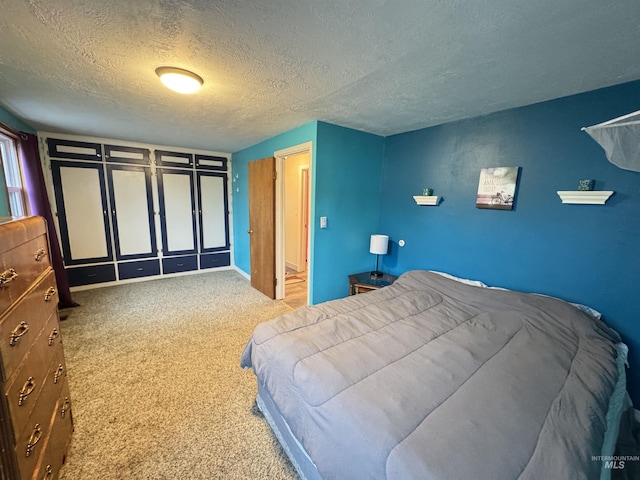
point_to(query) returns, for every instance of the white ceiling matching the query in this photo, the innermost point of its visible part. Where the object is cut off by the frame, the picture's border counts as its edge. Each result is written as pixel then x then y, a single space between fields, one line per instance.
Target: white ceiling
pixel 382 66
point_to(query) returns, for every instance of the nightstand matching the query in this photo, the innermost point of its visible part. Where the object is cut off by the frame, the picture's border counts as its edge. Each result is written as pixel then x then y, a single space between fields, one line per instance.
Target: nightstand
pixel 364 282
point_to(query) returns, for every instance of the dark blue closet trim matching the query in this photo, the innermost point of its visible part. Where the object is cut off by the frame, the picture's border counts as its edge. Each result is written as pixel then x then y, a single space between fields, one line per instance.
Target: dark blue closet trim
pixel 152 223
pixel 220 162
pixel 56 165
pixel 111 154
pixel 54 143
pixel 226 211
pixel 165 248
pixel 168 163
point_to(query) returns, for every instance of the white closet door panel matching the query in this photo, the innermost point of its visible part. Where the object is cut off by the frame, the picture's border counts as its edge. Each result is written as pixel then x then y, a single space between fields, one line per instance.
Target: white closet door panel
pixel 178 208
pixel 81 190
pixel 213 211
pixel 132 214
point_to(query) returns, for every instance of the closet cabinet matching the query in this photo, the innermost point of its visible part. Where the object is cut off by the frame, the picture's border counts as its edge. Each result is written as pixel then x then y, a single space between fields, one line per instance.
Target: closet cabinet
pixel 126 212
pixel 133 222
pixel 212 208
pixel 177 216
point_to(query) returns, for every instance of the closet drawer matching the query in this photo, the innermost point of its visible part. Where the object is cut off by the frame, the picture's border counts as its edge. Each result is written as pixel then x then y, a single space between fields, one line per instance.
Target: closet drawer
pixel 20 326
pixel 20 267
pixel 144 268
pixel 37 381
pixel 180 264
pixel 90 275
pixel 215 260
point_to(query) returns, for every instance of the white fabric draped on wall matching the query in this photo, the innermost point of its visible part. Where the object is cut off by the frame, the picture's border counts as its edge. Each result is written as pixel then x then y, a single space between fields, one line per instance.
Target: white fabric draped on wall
pixel 620 139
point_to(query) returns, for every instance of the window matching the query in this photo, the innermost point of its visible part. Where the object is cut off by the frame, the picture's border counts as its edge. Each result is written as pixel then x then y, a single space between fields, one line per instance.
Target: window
pixel 12 176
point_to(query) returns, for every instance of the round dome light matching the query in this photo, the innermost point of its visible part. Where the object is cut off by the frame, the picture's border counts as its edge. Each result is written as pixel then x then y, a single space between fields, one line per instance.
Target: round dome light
pixel 179 80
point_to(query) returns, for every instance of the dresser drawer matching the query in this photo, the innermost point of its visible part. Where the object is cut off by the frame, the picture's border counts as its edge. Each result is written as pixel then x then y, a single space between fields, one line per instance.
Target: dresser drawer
pixel 32 439
pixel 38 379
pixel 20 267
pixel 20 326
pixel 57 444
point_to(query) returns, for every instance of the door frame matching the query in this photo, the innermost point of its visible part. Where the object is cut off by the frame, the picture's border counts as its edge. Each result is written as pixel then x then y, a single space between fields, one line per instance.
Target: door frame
pixel 280 155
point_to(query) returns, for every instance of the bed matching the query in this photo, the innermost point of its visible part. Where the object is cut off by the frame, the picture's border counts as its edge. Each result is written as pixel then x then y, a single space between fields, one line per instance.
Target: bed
pixel 436 378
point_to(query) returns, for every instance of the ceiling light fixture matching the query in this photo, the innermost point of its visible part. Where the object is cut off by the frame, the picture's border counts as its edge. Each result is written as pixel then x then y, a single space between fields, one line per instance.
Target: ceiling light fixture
pixel 179 80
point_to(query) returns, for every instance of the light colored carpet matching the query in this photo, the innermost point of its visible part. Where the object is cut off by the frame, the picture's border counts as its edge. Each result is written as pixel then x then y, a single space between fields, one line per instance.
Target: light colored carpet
pixel 156 387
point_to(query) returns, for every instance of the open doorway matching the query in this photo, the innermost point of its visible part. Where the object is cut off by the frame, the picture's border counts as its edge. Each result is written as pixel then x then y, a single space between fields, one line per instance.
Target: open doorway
pixel 293 208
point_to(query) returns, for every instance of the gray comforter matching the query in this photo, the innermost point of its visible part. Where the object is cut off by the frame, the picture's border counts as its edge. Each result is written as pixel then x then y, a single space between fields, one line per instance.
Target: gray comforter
pixel 434 379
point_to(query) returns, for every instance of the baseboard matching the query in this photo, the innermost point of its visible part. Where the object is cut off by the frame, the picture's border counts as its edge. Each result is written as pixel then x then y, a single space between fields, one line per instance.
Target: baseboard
pixel 242 272
pixel 81 288
pixel 291 266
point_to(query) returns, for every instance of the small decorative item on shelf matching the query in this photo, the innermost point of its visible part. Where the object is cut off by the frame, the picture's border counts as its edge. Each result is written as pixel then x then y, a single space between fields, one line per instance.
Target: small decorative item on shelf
pixel 586 185
pixel 427 192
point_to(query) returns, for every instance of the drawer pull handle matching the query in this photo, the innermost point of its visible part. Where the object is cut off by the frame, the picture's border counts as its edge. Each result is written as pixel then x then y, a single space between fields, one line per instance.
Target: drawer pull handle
pixel 34 439
pixel 58 373
pixel 65 407
pixel 139 269
pixel 50 293
pixel 27 388
pixel 40 254
pixel 48 473
pixel 180 264
pixel 18 332
pixel 7 276
pixel 53 335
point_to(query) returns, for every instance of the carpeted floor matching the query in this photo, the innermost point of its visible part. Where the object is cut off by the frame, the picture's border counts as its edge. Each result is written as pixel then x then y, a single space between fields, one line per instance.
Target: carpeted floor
pixel 156 387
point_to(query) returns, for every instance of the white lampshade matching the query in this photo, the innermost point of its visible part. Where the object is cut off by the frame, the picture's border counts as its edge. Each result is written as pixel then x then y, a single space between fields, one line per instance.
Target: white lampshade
pixel 379 244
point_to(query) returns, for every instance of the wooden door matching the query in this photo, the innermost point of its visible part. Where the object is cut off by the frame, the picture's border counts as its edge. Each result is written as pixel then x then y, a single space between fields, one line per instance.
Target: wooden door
pixel 262 225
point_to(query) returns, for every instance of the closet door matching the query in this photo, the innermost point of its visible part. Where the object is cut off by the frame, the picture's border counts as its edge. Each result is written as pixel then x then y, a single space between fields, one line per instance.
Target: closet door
pixel 177 212
pixel 132 211
pixel 82 211
pixel 213 211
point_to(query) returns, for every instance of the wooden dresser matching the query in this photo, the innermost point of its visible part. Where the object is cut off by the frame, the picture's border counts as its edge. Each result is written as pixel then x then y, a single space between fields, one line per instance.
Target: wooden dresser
pixel 35 408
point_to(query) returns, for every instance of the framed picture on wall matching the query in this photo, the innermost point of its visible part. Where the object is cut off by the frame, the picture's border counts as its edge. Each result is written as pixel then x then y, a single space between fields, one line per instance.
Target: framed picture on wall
pixel 497 188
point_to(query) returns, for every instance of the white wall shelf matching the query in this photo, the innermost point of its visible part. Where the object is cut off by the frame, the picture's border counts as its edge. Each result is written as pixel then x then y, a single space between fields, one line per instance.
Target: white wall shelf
pixel 431 200
pixel 594 197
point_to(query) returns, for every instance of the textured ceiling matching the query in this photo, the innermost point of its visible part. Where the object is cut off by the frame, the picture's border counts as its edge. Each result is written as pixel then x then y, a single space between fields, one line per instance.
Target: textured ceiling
pixel 87 66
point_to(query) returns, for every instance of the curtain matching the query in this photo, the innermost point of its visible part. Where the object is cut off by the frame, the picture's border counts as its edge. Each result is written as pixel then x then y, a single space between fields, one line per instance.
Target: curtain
pixel 39 205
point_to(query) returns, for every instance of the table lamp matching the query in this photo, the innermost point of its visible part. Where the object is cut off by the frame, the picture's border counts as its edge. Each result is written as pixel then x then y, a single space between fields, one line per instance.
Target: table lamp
pixel 378 246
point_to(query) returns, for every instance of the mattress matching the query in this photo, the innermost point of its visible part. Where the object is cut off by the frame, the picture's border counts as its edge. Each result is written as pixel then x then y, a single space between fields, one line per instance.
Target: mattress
pixel 434 379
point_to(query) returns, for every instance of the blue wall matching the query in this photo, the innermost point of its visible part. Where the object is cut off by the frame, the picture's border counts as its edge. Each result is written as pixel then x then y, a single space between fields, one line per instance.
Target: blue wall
pixel 13 121
pixel 240 199
pixel 347 175
pixel 582 253
pixel 346 172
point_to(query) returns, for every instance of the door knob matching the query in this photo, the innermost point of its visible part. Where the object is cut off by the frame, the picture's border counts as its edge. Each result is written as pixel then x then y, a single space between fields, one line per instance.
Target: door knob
pixel 249 232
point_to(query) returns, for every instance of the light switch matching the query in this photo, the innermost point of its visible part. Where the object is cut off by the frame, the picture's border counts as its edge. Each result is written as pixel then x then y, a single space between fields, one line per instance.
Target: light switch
pixel 323 222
